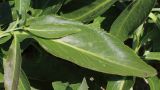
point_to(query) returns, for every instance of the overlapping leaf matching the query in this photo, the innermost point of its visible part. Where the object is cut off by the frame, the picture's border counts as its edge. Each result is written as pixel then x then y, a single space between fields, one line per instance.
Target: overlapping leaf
pixel 91 11
pixel 104 53
pixel 23 82
pixel 52 27
pixel 45 7
pixel 12 65
pixel 152 56
pixel 22 6
pixel 4 38
pixel 154 83
pixel 131 18
pixel 125 83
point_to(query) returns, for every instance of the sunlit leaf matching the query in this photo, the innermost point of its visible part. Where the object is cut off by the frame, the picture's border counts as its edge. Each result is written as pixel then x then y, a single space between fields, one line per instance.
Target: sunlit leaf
pixel 104 53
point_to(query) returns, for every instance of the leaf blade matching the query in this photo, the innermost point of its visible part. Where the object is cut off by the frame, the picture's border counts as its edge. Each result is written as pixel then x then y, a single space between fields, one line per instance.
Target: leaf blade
pixel 85 48
pixel 12 66
pixel 91 11
pixel 131 18
pixel 154 83
pixel 120 84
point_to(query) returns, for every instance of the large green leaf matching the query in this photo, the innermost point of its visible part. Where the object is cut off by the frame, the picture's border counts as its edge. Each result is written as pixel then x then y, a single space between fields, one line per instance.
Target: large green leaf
pixel 91 11
pixel 12 65
pixel 125 83
pixel 154 83
pixel 99 51
pixel 131 18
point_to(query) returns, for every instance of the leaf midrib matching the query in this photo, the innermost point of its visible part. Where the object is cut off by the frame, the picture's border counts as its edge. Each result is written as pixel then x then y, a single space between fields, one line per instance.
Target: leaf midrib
pixel 125 20
pixel 79 49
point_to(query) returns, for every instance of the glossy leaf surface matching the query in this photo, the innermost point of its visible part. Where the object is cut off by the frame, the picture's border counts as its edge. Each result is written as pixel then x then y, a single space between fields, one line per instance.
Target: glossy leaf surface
pixel 104 53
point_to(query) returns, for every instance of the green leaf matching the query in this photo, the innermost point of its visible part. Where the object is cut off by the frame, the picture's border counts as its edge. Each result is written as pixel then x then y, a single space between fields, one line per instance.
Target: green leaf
pixel 60 86
pixel 22 6
pixel 125 83
pixel 45 7
pixel 12 65
pixel 50 19
pixel 1 78
pixel 156 19
pixel 84 85
pixel 53 9
pixel 99 51
pixel 131 18
pixel 4 37
pixel 91 11
pixel 52 26
pixel 23 82
pixel 154 83
pixel 152 56
pixel 53 31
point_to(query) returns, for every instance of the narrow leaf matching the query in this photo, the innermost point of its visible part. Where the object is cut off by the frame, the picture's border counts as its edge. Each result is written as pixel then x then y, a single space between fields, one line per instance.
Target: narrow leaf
pixel 154 83
pixel 84 85
pixel 4 38
pixel 54 8
pixel 23 82
pixel 50 19
pixel 152 56
pixel 1 78
pixel 45 7
pixel 131 18
pixel 91 11
pixel 53 31
pixel 51 26
pixel 22 6
pixel 87 51
pixel 12 65
pixel 60 86
pixel 120 84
